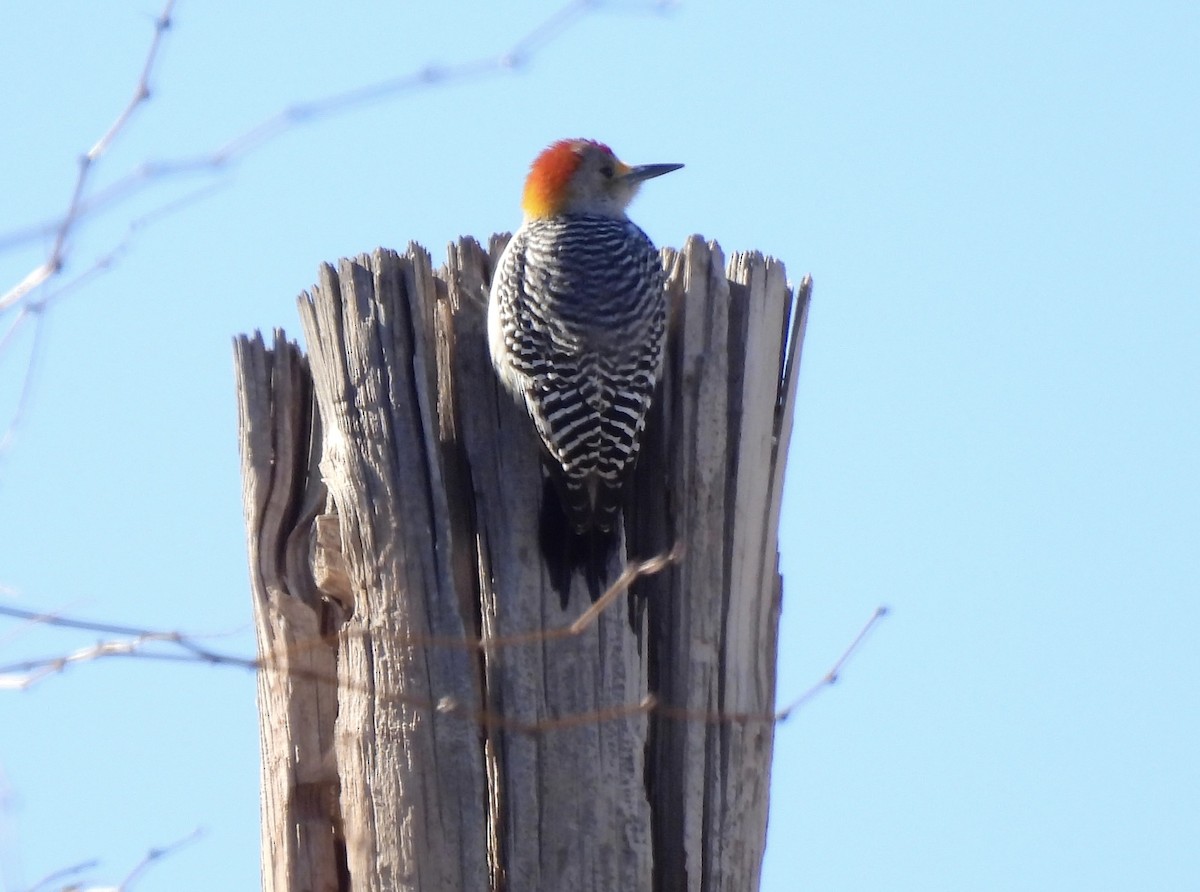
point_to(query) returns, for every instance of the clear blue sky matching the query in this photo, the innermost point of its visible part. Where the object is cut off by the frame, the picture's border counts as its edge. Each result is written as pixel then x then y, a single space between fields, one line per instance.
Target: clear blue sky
pixel 997 434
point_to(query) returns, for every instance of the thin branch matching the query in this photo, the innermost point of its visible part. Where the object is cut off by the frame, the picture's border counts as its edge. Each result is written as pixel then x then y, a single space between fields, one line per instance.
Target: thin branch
pixel 107 260
pixel 25 673
pixel 66 622
pixel 21 675
pixel 634 570
pixel 235 148
pixel 325 107
pixel 154 855
pixel 651 703
pixel 54 261
pixel 831 677
pixel 142 92
pixel 151 857
pixel 62 873
pixel 36 309
pixel 82 205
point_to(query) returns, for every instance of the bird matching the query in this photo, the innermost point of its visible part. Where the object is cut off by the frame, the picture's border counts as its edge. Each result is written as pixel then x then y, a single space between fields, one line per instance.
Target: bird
pixel 576 322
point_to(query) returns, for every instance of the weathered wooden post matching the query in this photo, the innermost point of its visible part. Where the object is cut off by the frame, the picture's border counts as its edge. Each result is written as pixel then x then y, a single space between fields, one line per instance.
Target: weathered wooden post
pixel 427 722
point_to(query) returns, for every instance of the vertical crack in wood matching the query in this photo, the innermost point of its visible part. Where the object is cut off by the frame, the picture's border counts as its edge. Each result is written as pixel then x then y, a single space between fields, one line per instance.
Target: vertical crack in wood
pixel 301 827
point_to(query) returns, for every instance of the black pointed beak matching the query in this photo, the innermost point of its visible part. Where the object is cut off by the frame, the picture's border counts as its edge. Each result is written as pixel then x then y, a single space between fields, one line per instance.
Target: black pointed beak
pixel 649 171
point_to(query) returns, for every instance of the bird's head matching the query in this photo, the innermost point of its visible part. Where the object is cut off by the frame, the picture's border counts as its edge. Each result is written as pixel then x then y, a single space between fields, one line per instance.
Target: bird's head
pixel 584 177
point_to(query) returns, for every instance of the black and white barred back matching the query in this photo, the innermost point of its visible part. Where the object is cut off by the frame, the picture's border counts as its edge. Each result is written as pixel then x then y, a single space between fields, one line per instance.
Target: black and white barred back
pixel 575 325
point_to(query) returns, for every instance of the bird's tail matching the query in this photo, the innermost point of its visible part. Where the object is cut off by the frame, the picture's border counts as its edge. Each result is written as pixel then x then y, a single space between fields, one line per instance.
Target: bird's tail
pixel 572 542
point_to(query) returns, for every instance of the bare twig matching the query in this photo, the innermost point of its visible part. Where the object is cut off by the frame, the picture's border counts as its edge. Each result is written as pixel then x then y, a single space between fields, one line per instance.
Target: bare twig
pixel 234 149
pixel 62 228
pixel 634 570
pixel 152 856
pixel 155 854
pixel 81 205
pixel 23 674
pixel 651 703
pixel 33 311
pixel 141 92
pixel 63 873
pixel 135 227
pixel 831 677
pixel 136 644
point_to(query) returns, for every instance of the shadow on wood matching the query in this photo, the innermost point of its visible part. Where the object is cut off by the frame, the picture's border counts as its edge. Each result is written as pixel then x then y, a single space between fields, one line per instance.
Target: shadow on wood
pixel 419 729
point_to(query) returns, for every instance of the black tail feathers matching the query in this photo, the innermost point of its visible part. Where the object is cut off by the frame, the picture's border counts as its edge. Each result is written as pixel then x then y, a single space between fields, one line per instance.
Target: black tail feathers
pixel 566 550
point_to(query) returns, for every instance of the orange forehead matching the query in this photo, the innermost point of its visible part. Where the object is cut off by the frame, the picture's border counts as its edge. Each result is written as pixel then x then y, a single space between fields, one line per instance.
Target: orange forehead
pixel 545 188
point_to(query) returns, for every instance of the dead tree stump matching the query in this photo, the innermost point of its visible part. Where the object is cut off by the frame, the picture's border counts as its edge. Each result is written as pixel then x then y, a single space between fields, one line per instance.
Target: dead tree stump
pixel 426 722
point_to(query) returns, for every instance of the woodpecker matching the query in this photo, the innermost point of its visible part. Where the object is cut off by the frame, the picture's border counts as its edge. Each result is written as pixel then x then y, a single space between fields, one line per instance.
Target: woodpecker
pixel 576 319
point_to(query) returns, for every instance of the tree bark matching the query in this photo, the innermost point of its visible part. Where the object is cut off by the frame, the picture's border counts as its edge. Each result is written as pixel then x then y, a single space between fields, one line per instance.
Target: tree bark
pixel 280 442
pixel 476 746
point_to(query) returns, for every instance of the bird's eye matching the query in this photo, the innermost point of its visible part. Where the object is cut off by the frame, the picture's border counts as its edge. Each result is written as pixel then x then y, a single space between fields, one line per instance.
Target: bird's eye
pixel 607 171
